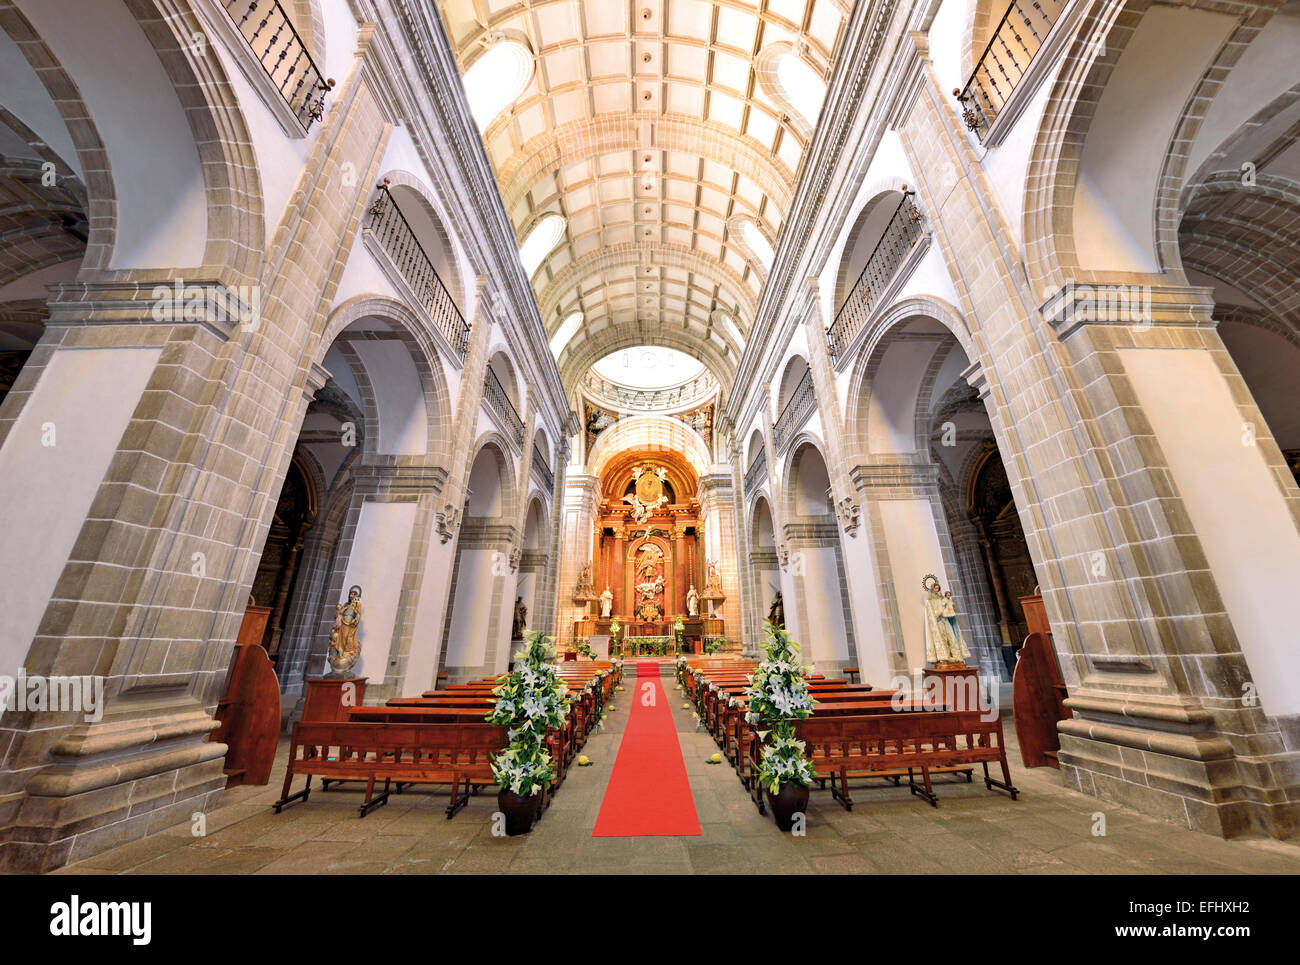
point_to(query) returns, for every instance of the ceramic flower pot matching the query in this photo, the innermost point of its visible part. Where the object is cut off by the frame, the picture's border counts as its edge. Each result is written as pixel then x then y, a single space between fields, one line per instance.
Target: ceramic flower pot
pixel 790 800
pixel 521 812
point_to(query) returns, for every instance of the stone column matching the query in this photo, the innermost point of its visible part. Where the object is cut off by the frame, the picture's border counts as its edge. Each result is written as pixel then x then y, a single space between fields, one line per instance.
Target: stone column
pixel 579 522
pixel 718 513
pixel 1143 473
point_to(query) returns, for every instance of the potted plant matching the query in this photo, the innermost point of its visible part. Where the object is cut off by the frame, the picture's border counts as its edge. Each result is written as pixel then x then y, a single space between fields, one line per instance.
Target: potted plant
pixel 779 695
pixel 614 627
pixel 531 700
pixel 716 644
pixel 585 651
pixel 679 628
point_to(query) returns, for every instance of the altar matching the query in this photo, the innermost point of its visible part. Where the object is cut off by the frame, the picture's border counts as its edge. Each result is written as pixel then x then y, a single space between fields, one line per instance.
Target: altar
pixel 649 572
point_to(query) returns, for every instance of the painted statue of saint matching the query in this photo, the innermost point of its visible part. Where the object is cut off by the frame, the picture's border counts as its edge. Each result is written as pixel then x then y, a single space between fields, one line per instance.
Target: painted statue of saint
pixel 943 639
pixel 692 602
pixel 776 615
pixel 344 648
pixel 606 603
pixel 520 621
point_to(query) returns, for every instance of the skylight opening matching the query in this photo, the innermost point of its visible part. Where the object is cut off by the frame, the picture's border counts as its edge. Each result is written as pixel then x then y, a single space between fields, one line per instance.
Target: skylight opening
pixel 541 241
pixel 568 328
pixel 497 79
pixel 648 367
pixel 802 87
pixel 757 243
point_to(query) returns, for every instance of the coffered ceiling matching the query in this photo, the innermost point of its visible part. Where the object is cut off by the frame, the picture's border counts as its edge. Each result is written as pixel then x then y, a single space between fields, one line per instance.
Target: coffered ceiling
pixel 652 127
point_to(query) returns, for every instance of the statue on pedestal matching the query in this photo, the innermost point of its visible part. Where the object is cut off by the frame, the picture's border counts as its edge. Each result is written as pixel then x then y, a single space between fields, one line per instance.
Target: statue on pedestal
pixel 692 602
pixel 944 646
pixel 520 622
pixel 776 615
pixel 606 603
pixel 344 649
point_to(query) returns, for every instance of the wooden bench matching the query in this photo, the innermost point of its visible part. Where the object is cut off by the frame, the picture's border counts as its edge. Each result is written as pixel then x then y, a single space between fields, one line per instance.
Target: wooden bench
pixel 408 753
pixel 887 744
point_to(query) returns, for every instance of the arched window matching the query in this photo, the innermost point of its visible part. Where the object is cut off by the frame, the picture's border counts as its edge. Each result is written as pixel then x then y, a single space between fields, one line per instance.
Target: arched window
pixel 541 241
pixel 496 80
pixel 752 240
pixel 568 328
pixel 793 84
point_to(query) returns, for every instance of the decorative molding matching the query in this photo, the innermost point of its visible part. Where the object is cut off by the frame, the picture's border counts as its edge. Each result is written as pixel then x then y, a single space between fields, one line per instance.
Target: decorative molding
pixel 447 523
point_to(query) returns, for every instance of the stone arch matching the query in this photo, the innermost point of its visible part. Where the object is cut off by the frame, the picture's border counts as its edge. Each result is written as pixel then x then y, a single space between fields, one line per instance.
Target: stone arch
pixel 501 502
pixel 796 501
pixel 649 433
pixel 188 104
pixel 755 447
pixel 397 322
pixel 504 369
pixel 1121 193
pixel 792 372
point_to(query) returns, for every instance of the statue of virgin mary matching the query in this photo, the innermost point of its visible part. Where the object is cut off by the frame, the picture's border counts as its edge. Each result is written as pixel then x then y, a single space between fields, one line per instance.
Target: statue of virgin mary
pixel 943 639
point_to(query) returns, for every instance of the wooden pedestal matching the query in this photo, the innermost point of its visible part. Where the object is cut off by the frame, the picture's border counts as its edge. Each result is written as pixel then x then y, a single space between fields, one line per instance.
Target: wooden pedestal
pixel 959 684
pixel 328 703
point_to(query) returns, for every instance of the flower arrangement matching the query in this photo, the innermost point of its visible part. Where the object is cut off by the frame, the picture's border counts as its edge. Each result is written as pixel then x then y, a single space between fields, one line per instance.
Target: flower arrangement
pixel 614 627
pixel 585 650
pixel 530 700
pixel 714 645
pixel 778 695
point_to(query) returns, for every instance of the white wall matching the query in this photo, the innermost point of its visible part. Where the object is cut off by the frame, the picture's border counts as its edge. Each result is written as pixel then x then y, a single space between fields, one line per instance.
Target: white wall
pixel 87 396
pixel 378 565
pixel 913 547
pixel 1236 507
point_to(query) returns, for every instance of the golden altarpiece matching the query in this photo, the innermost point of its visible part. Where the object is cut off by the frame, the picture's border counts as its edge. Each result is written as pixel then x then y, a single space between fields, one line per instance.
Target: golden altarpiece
pixel 649 555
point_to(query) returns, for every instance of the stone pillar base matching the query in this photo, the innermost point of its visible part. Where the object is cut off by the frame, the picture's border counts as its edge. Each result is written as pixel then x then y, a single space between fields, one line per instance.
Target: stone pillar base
pixel 113 782
pixel 1191 779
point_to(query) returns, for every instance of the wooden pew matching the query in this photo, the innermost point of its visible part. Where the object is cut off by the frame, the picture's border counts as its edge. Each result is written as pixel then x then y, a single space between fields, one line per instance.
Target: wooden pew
pixel 408 753
pixel 885 744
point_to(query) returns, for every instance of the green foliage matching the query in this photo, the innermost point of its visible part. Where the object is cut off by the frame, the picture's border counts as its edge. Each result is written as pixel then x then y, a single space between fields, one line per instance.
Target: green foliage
pixel 778 695
pixel 530 701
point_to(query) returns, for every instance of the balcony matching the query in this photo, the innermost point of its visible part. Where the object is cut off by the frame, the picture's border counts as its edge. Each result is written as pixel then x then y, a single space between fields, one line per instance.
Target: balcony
pixel 756 474
pixel 393 233
pixel 543 471
pixel 649 400
pixel 275 44
pixel 494 394
pixel 1020 34
pixel 891 251
pixel 803 401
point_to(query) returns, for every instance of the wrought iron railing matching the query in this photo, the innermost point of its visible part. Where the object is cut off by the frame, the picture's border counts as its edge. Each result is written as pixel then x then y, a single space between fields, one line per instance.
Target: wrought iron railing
pixel 803 400
pixel 1019 35
pixel 900 234
pixel 274 41
pixel 394 234
pixel 697 389
pixel 756 473
pixel 543 470
pixel 495 394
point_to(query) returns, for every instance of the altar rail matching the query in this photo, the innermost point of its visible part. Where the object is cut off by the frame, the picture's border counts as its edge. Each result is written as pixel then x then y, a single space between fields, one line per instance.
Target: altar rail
pixel 803 400
pixel 1018 37
pixel 283 55
pixel 756 473
pixel 395 235
pixel 900 234
pixel 495 395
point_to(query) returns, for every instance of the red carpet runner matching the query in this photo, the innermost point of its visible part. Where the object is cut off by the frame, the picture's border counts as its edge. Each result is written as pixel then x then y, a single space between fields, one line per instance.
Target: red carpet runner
pixel 648 793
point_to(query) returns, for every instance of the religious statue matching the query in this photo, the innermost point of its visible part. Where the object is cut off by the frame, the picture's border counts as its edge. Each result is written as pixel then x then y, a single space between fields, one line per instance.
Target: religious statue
pixel 692 602
pixel 776 615
pixel 585 590
pixel 648 494
pixel 944 646
pixel 606 603
pixel 344 648
pixel 520 622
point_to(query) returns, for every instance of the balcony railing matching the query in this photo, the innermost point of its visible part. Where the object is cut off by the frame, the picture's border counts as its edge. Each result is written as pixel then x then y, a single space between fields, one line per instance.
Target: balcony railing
pixel 284 57
pixel 500 403
pixel 543 470
pixel 796 412
pixel 1019 35
pixel 621 396
pixel 394 234
pixel 756 473
pixel 900 234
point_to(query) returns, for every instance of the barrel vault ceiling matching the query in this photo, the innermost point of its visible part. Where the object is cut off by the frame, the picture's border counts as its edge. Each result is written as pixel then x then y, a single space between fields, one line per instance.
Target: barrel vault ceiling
pixel 646 127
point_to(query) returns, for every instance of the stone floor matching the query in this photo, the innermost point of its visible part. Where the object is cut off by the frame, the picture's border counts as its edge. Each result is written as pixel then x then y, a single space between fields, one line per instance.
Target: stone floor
pixel 1047 831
